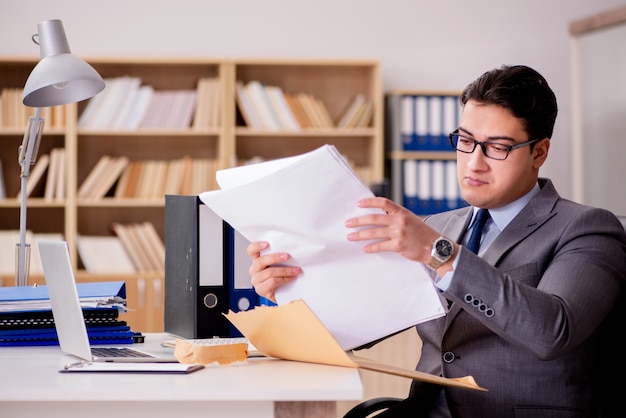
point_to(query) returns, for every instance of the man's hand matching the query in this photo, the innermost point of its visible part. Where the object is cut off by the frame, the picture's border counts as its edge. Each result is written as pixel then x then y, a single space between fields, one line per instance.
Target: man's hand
pixel 266 270
pixel 399 230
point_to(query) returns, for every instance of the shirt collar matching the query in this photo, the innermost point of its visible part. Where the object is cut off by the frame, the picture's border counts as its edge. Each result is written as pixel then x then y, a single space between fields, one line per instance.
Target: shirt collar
pixel 502 216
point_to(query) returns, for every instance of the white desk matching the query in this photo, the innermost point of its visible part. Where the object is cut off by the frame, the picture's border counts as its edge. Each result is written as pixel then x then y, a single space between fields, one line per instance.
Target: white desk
pixel 32 386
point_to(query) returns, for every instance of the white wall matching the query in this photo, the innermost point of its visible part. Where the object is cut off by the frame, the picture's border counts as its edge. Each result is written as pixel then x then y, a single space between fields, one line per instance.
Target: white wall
pixel 440 44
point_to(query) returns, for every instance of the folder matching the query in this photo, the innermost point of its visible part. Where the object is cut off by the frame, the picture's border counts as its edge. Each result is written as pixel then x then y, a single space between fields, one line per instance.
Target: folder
pixel 435 123
pixel 26 314
pixel 196 292
pixel 421 138
pixel 31 298
pixel 241 294
pixel 293 332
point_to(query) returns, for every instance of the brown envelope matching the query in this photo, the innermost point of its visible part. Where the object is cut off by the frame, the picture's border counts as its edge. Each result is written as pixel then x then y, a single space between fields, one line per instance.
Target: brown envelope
pixel 293 332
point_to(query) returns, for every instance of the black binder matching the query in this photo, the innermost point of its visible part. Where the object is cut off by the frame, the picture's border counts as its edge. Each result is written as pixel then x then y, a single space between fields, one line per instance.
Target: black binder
pixel 196 286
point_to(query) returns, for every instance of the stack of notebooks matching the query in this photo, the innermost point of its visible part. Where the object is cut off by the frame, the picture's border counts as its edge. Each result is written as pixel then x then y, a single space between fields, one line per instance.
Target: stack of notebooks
pixel 26 315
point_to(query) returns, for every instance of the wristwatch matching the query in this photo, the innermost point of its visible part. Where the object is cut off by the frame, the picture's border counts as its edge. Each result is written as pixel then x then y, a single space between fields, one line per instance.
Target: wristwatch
pixel 443 250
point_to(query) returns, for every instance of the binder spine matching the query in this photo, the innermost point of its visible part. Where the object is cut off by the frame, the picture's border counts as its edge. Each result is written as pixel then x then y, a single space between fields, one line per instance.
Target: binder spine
pixel 420 123
pixel 241 294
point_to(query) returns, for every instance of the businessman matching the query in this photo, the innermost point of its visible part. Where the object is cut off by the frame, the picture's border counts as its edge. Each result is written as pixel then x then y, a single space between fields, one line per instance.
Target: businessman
pixel 534 281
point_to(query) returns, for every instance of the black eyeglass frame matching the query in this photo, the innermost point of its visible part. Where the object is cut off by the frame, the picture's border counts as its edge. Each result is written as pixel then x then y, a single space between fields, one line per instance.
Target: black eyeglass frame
pixel 509 148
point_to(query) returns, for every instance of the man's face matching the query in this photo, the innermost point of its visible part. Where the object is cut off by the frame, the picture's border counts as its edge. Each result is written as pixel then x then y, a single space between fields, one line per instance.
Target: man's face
pixel 488 183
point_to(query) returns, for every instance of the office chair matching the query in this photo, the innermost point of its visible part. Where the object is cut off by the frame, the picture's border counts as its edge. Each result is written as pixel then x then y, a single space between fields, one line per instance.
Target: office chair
pixel 370 406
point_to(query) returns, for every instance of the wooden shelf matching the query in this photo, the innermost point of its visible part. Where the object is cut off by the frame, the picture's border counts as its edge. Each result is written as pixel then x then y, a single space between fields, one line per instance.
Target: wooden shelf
pixel 334 82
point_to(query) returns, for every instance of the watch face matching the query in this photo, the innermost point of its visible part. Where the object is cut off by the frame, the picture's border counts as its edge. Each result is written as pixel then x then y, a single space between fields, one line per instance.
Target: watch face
pixel 444 248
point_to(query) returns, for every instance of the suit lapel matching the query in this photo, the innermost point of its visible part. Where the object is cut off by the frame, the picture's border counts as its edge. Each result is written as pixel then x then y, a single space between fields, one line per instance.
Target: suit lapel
pixel 538 211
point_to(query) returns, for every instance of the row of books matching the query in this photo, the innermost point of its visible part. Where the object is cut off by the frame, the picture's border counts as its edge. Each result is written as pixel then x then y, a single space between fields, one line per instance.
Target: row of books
pixel 430 186
pixel 26 315
pixel 120 177
pixel 49 171
pixel 269 108
pixel 127 105
pixel 14 115
pixel 425 121
pixel 149 179
pixel 135 248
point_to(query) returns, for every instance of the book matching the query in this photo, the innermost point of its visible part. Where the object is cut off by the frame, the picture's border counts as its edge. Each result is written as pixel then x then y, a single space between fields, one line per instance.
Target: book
pixel 298 111
pixel 104 254
pixel 310 108
pixel 98 170
pixel 322 110
pixel 352 109
pixel 262 106
pixel 281 108
pixel 206 114
pixel 174 177
pixel 3 191
pixel 102 177
pixel 87 118
pixel 132 247
pixel 127 101
pixel 51 179
pixel 117 90
pixel 128 186
pixel 138 109
pixel 151 243
pixel 365 117
pixel 8 240
pixel 246 108
pixel 108 178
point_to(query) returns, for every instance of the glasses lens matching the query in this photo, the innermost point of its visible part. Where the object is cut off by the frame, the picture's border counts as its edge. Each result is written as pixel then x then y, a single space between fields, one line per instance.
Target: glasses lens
pixel 490 149
pixel 462 143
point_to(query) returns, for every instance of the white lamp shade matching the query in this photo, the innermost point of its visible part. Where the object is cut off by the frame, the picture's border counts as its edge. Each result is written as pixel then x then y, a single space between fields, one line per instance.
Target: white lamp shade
pixel 60 77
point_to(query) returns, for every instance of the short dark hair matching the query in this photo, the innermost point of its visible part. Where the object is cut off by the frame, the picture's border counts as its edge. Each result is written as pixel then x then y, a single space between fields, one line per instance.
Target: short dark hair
pixel 522 91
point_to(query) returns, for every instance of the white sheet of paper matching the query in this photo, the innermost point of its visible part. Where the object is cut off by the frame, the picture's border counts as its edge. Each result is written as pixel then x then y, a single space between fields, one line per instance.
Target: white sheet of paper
pixel 299 205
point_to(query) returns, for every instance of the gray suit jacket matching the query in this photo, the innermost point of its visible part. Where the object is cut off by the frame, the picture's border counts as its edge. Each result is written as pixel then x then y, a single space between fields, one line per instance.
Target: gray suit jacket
pixel 531 329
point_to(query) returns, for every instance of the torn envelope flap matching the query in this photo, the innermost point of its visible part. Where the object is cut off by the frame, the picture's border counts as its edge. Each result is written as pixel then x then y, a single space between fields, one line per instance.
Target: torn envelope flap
pixel 292 332
pixel 187 352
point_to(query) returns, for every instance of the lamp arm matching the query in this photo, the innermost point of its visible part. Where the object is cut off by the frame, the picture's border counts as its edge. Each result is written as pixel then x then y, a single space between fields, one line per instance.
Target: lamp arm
pixel 27 155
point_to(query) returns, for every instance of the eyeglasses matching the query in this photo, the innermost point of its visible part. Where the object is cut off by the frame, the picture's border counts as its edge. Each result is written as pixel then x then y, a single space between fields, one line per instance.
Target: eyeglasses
pixel 493 150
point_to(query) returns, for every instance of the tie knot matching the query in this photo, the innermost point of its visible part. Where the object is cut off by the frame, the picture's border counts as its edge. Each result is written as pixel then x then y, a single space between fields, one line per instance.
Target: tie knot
pixel 481 217
pixel 477 230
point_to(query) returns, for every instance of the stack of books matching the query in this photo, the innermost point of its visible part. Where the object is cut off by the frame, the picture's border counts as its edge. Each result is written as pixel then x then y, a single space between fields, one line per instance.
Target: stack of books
pixel 26 315
pixel 269 108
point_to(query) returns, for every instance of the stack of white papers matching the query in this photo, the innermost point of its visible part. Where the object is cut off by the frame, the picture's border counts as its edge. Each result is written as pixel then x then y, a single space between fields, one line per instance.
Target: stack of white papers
pixel 299 205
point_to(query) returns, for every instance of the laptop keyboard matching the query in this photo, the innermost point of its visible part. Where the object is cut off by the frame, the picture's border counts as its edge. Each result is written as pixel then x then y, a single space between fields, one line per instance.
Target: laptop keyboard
pixel 117 352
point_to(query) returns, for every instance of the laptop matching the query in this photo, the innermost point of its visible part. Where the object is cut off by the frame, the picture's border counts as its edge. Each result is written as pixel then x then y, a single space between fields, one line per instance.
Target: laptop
pixel 68 315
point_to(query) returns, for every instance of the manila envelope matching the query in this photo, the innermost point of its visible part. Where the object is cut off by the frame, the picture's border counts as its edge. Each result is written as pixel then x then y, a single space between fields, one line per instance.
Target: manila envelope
pixel 292 332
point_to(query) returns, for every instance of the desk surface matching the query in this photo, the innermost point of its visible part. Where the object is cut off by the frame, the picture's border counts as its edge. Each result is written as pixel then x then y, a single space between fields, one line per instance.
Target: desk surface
pixel 31 375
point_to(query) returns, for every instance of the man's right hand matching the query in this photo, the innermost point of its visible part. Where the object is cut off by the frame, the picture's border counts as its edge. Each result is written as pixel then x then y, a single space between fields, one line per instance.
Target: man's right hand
pixel 267 271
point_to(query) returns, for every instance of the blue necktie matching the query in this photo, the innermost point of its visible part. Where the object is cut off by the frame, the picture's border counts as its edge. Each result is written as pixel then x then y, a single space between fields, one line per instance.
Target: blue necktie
pixel 474 241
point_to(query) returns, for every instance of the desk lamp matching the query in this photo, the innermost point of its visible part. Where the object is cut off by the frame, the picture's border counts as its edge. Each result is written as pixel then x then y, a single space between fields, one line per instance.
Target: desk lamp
pixel 59 78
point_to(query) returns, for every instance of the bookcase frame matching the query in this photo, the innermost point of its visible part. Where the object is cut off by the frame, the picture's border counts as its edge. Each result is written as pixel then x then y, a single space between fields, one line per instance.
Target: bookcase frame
pixel 335 82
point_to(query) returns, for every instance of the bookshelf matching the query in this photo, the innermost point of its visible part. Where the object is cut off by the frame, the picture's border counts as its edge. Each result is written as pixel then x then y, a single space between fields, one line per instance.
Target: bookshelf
pixel 420 163
pixel 226 142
